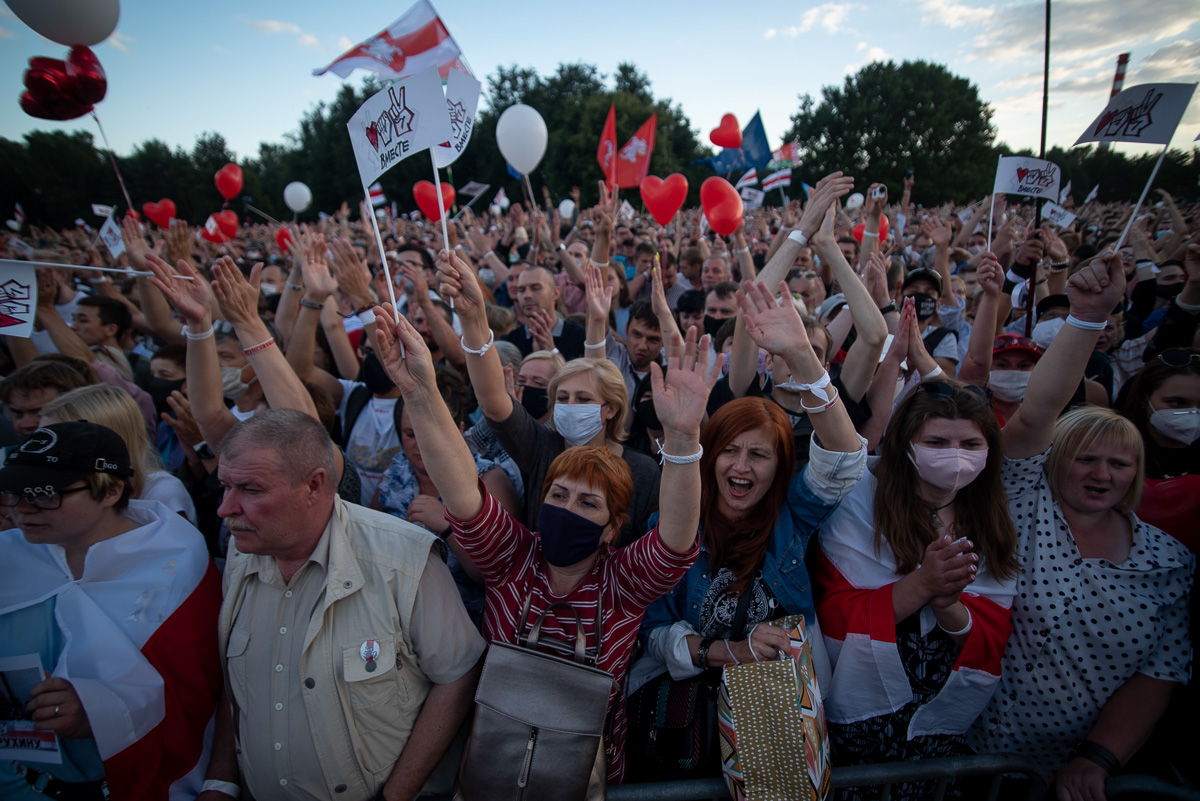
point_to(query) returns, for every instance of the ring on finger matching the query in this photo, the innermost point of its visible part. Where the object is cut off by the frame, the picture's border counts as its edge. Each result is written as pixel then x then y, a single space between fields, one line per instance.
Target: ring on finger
pixel 56 710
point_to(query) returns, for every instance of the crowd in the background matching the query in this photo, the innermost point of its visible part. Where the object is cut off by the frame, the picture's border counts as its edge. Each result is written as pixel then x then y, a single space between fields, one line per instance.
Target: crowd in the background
pixel 964 446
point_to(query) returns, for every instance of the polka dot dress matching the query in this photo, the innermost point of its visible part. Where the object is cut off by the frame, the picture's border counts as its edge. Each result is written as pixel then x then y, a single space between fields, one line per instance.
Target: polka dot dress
pixel 1081 627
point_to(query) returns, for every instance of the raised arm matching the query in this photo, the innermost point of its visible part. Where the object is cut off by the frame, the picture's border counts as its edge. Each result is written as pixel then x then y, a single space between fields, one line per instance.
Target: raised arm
pixel 599 301
pixel 679 401
pixel 978 361
pixel 939 233
pixel 445 453
pixel 1093 292
pixel 319 286
pixel 458 283
pixel 606 215
pixel 872 209
pixel 780 331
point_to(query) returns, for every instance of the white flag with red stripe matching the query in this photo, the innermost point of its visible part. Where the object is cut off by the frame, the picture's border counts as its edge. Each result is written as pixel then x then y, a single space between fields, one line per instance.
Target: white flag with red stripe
pixel 139 633
pixel 414 43
pixel 750 178
pixel 858 621
pixel 377 196
pixel 777 180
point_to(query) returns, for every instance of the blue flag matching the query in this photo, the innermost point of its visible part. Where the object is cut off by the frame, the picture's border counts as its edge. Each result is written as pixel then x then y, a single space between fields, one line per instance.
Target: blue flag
pixel 512 171
pixel 754 152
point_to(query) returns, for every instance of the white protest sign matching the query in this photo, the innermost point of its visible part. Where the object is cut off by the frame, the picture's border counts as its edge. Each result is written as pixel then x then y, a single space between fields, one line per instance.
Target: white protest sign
pixel 405 118
pixel 1057 215
pixel 474 189
pixel 752 198
pixel 1148 113
pixel 110 235
pixel 1066 190
pixel 1023 175
pixel 18 298
pixel 19 739
pixel 462 99
pixel 966 214
pixel 100 210
pixel 627 211
pixel 22 247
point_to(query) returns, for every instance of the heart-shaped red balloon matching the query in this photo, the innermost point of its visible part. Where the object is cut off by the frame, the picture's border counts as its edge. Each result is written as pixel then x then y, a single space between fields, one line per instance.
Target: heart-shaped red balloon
pixel 425 193
pixel 283 238
pixel 88 82
pixel 58 108
pixel 664 198
pixel 229 181
pixel 227 221
pixel 883 228
pixel 722 205
pixel 49 95
pixel 727 134
pixel 212 232
pixel 160 213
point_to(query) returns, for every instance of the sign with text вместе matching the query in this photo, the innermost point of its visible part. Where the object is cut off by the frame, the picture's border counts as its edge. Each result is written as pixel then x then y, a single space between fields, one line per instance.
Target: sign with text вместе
pixel 402 119
pixel 462 100
pixel 1023 175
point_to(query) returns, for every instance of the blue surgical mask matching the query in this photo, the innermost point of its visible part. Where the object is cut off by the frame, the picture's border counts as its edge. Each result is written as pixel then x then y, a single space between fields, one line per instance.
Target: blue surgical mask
pixel 578 422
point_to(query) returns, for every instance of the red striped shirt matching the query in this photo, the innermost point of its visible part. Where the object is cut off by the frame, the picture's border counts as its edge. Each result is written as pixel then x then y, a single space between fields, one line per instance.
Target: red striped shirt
pixel 624 581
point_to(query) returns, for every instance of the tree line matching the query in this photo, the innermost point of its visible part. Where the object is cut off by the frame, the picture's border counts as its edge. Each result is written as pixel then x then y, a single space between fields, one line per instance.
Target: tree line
pixel 884 120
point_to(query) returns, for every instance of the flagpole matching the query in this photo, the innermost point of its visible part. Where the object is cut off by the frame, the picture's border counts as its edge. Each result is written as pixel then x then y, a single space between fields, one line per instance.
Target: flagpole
pixel 121 270
pixel 467 206
pixel 1141 199
pixel 383 258
pixel 437 185
pixel 264 215
pixel 992 211
pixel 113 159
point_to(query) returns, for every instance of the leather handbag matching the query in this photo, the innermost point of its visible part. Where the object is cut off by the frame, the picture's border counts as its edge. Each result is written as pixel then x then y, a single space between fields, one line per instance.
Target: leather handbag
pixel 538 731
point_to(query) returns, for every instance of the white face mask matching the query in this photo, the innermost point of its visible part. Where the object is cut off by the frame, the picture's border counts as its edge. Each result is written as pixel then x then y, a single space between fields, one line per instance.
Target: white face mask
pixel 232 385
pixel 1044 332
pixel 950 469
pixel 268 289
pixel 1181 425
pixel 1009 385
pixel 578 422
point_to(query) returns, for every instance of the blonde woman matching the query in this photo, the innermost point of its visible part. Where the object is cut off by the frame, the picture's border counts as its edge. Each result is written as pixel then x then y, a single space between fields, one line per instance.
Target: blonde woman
pixel 112 407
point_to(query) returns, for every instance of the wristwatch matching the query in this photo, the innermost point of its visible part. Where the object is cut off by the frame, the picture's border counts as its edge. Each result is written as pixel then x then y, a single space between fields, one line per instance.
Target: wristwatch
pixel 702 652
pixel 203 451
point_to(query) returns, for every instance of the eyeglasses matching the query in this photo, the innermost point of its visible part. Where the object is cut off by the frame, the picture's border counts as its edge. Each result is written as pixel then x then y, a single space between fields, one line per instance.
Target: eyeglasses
pixel 39 499
pixel 1178 357
pixel 945 389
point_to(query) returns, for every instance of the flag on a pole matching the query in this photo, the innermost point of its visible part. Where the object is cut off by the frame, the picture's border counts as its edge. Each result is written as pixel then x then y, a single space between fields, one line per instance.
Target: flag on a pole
pixel 1057 214
pixel 1148 114
pixel 101 210
pixel 785 157
pixel 606 153
pixel 1062 196
pixel 627 211
pixel 750 178
pixel 501 199
pixel 633 160
pixel 778 179
pixel 752 198
pixel 405 118
pixel 1024 175
pixel 462 99
pixel 414 43
pixel 110 235
pixel 376 193
pixel 18 297
pixel 1092 195
pixel 754 152
pixel 19 214
pixel 474 189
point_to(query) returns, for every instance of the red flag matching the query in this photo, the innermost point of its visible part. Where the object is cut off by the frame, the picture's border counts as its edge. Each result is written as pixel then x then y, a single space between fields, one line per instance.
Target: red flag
pixel 633 161
pixel 606 154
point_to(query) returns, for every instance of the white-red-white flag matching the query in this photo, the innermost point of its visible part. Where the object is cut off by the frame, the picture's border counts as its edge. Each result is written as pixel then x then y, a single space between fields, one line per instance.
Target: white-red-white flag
pixel 414 43
pixel 750 178
pixel 1148 113
pixel 777 180
pixel 376 193
pixel 1092 195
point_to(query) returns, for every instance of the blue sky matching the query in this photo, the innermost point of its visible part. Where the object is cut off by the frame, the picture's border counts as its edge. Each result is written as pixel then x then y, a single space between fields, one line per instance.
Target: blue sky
pixel 243 69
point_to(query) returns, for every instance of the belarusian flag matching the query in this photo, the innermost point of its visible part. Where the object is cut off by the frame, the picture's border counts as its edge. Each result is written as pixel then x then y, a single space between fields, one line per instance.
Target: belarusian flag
pixel 778 179
pixel 411 44
pixel 376 192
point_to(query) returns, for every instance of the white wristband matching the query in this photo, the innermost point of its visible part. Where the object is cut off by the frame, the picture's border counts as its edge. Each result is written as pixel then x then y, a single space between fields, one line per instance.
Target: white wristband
pixel 228 788
pixel 596 346
pixel 667 457
pixel 486 345
pixel 366 318
pixel 963 630
pixel 872 234
pixel 1075 322
pixel 194 337
pixel 817 387
pixel 934 373
pixel 798 236
pixel 1188 307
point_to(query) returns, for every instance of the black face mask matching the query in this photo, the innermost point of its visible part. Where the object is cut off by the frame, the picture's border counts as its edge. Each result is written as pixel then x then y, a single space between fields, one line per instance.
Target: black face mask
pixel 536 401
pixel 374 376
pixel 925 305
pixel 712 325
pixel 1168 291
pixel 159 389
pixel 760 261
pixel 648 416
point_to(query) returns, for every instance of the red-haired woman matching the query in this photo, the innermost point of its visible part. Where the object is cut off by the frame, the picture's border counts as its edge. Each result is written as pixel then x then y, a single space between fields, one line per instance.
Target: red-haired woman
pixel 586 494
pixel 756 515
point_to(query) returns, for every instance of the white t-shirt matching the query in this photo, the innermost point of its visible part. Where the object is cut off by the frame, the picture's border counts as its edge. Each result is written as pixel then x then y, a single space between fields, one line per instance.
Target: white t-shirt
pixel 164 487
pixel 373 440
pixel 41 339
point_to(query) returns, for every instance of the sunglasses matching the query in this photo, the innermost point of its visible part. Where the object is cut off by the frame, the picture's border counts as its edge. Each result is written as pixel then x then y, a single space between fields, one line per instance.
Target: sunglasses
pixel 944 389
pixel 1178 357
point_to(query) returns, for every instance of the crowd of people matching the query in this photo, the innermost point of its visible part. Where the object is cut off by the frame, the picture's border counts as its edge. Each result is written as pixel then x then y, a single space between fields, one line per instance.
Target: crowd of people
pixel 266 512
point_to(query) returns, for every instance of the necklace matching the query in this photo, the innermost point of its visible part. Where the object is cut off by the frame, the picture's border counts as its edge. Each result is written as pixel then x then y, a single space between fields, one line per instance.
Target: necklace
pixel 937 521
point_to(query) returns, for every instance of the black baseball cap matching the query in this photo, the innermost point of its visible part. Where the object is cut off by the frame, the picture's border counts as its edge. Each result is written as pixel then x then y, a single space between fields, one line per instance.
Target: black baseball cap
pixel 58 455
pixel 923 274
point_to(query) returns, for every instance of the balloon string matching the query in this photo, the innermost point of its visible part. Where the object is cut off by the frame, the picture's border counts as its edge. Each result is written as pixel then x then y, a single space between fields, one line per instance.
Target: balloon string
pixel 113 160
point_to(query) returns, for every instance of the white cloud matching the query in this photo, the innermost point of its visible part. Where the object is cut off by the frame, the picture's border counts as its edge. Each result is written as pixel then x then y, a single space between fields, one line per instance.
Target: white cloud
pixel 5 33
pixel 861 46
pixel 1178 61
pixel 953 14
pixel 877 54
pixel 274 26
pixel 344 43
pixel 308 40
pixel 770 33
pixel 118 40
pixel 829 17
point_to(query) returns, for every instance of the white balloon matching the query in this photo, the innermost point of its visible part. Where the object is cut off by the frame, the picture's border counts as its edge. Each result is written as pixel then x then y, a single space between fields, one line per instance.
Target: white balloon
pixel 69 22
pixel 297 196
pixel 494 209
pixel 521 135
pixel 566 209
pixel 855 201
pixel 505 202
pixel 13 224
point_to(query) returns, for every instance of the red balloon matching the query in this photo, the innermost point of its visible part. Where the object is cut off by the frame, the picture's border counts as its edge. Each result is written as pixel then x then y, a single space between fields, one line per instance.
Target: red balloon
pixel 229 181
pixel 227 221
pixel 49 95
pixel 722 205
pixel 88 82
pixel 283 238
pixel 727 134
pixel 425 193
pixel 62 108
pixel 212 232
pixel 160 213
pixel 883 228
pixel 664 198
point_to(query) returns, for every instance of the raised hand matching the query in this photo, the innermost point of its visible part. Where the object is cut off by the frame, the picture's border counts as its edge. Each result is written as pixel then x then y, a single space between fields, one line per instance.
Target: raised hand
pixel 353 276
pixel 828 190
pixel 990 275
pixel 237 297
pixel 183 423
pixel 1095 289
pixel 937 231
pixel 179 241
pixel 541 326
pixel 318 283
pixel 189 298
pixel 135 243
pixel 658 295
pixel 412 371
pixel 680 397
pixel 607 208
pixel 774 328
pixel 874 205
pixel 599 294
pixel 457 282
pixel 876 279
pixel 918 357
